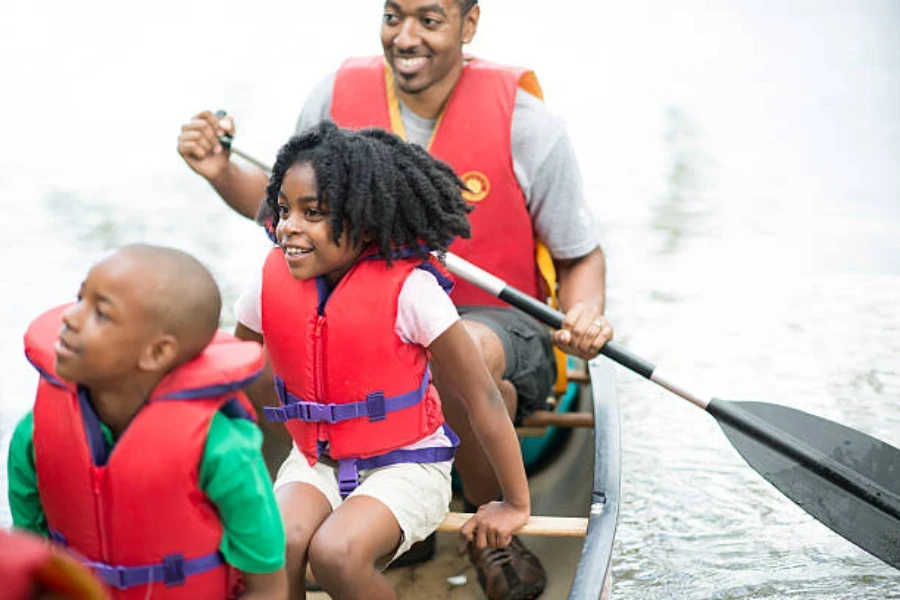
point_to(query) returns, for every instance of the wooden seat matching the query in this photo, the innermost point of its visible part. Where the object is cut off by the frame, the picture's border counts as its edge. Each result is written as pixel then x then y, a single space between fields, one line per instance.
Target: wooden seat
pixel 542 526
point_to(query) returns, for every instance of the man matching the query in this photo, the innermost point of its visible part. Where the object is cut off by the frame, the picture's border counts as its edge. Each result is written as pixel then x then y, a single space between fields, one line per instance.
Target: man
pixel 515 157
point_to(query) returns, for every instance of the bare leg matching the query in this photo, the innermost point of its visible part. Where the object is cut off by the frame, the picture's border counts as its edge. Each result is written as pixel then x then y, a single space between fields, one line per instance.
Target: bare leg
pixel 479 482
pixel 346 547
pixel 303 510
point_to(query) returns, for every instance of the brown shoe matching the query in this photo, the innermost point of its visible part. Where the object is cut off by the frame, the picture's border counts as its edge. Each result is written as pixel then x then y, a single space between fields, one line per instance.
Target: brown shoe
pixel 511 573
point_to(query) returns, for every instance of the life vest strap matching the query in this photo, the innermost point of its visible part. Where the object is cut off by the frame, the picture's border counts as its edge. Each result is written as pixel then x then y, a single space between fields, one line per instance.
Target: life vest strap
pixel 375 406
pixel 349 468
pixel 173 570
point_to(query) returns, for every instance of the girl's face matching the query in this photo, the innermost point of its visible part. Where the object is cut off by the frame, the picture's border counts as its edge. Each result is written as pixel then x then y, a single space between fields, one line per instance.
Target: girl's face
pixel 304 230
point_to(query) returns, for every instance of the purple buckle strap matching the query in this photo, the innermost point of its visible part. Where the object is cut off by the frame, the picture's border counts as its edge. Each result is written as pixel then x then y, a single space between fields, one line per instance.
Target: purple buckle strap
pixel 349 468
pixel 348 476
pixel 375 406
pixel 172 571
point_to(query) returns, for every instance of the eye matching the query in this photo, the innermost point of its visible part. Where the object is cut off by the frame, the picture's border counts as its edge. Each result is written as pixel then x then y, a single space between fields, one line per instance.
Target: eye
pixel 102 316
pixel 283 211
pixel 390 19
pixel 430 23
pixel 313 214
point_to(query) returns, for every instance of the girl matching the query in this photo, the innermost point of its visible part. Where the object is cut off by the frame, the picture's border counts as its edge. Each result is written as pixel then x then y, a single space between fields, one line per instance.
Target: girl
pixel 351 307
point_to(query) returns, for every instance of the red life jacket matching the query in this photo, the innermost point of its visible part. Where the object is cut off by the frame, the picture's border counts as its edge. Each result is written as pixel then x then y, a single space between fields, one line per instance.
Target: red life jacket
pixel 343 375
pixel 473 136
pixel 137 513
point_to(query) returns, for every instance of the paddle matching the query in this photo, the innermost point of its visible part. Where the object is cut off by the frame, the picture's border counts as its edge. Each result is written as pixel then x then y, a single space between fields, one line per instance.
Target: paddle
pixel 844 478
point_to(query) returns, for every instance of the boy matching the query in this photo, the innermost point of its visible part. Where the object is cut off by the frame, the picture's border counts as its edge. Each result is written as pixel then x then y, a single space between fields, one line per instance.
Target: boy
pixel 140 453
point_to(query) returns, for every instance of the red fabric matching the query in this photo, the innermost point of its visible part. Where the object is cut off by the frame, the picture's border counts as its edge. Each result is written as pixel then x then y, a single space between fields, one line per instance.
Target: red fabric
pixel 30 565
pixel 146 502
pixel 21 560
pixel 473 136
pixel 346 353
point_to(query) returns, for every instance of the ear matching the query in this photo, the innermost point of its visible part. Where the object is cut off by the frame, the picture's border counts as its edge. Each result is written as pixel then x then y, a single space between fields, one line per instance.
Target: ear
pixel 160 354
pixel 470 24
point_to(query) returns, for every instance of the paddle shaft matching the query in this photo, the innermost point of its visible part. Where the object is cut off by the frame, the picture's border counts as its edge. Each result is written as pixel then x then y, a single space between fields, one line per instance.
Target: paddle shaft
pixel 731 413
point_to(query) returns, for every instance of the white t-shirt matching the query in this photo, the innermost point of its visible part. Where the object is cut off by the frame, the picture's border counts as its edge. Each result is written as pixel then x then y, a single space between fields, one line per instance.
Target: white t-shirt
pixel 424 312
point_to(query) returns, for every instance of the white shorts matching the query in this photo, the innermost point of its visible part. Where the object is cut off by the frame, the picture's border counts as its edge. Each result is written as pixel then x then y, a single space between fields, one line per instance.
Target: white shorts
pixel 418 494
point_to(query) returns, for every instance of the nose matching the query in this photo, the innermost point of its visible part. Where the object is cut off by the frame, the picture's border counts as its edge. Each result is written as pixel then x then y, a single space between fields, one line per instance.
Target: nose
pixel 71 317
pixel 288 225
pixel 407 36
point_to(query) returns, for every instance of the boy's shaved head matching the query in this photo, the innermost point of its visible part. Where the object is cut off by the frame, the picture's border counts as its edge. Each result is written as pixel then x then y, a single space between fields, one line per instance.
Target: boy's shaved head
pixel 181 295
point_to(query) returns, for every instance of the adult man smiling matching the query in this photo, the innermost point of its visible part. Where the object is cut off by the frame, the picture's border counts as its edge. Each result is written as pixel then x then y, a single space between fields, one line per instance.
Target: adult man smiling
pixel 488 122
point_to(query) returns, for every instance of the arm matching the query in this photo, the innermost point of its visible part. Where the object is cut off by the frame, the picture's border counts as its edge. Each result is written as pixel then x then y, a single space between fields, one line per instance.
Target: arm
pixel 243 189
pixel 233 476
pixel 455 353
pixel 24 497
pixel 266 586
pixel 276 439
pixel 582 283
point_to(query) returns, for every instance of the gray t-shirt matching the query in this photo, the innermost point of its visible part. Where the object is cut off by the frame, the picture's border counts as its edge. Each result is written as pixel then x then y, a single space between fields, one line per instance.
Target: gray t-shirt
pixel 543 161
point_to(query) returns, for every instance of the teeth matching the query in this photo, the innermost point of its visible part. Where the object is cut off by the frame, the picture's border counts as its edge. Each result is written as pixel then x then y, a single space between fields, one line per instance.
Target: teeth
pixel 411 63
pixel 293 251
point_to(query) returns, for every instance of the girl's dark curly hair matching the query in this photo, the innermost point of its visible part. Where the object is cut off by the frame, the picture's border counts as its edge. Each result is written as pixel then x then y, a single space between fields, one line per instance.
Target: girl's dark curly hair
pixel 378 187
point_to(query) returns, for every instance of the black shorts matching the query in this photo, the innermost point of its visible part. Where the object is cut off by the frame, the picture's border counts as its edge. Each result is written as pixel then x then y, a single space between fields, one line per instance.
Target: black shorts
pixel 530 365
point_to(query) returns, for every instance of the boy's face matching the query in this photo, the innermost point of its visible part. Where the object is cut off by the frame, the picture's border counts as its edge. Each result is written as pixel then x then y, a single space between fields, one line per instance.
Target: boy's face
pixel 304 230
pixel 107 329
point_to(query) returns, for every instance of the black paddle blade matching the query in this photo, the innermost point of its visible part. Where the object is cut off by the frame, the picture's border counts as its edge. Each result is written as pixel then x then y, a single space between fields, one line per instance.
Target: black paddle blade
pixel 846 479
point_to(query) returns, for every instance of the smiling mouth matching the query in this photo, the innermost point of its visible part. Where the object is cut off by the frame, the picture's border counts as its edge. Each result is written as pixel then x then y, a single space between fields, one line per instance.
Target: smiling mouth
pixel 410 65
pixel 62 348
pixel 291 251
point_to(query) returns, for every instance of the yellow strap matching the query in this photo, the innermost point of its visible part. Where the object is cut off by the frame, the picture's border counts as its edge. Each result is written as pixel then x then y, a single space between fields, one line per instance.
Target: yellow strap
pixel 394 108
pixel 529 82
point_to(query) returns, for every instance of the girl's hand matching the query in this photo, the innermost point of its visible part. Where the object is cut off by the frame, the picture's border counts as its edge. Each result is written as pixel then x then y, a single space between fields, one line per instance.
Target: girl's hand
pixel 584 331
pixel 494 524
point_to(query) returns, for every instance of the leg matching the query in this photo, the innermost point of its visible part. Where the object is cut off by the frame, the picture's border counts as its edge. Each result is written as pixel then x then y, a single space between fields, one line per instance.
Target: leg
pixel 392 508
pixel 303 510
pixel 346 547
pixel 306 496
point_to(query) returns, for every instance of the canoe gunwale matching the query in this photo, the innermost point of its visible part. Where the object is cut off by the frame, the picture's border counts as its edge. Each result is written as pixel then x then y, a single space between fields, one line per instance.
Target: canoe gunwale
pixel 594 565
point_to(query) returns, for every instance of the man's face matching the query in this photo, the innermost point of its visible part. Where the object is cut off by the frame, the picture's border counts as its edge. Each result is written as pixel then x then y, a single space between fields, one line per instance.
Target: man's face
pixel 423 40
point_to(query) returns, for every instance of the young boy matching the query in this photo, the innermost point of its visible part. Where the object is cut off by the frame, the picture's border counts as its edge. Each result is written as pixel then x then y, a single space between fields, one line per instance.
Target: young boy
pixel 141 453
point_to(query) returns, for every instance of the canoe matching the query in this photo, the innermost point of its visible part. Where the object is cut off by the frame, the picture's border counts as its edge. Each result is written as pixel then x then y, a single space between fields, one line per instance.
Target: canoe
pixel 578 476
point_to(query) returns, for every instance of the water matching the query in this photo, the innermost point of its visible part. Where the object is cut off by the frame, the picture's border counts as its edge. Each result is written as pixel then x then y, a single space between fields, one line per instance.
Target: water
pixel 741 158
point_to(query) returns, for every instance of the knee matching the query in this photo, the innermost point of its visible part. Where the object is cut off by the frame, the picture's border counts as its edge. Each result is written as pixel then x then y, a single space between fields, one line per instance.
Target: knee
pixel 490 346
pixel 297 539
pixel 332 558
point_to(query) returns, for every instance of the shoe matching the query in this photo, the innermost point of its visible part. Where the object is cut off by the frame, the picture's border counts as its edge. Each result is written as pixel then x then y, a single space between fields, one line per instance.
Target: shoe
pixel 418 553
pixel 511 573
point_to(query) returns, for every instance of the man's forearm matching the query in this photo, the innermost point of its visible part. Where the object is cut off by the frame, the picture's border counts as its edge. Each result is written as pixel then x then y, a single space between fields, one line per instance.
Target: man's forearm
pixel 243 189
pixel 582 280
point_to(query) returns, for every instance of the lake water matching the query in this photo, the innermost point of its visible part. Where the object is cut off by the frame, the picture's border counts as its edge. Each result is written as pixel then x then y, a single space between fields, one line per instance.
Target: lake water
pixel 741 157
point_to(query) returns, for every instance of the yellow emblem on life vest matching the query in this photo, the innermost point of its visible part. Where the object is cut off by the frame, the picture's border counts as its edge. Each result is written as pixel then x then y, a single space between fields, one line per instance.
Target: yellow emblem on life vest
pixel 478 186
